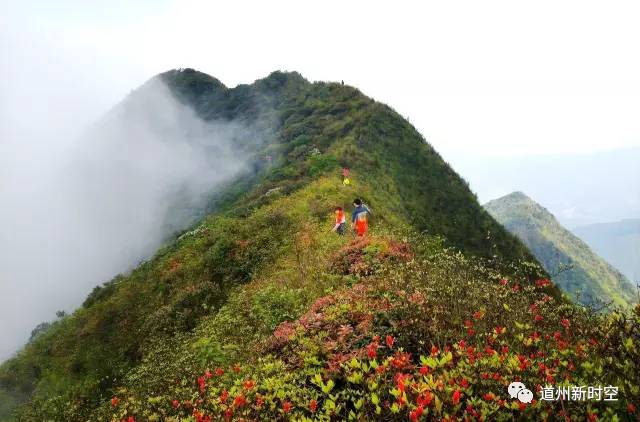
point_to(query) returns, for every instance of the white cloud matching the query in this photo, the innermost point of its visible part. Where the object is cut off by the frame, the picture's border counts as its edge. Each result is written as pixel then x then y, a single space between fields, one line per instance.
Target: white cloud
pixel 78 212
pixel 501 76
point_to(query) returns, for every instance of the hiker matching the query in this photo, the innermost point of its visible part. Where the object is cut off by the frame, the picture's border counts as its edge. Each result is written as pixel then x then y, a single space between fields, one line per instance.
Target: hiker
pixel 345 177
pixel 341 221
pixel 359 217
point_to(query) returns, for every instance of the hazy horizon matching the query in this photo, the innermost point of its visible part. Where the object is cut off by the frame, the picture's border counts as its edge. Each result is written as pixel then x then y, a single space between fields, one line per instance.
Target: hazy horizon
pixel 578 188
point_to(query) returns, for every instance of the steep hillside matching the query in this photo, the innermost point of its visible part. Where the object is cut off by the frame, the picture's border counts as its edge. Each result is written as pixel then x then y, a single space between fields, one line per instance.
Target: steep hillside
pixel 299 136
pixel 573 265
pixel 617 242
pixel 260 311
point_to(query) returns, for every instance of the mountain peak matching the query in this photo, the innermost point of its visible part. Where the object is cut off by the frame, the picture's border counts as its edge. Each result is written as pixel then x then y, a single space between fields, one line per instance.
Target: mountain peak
pixel 515 197
pixel 518 195
pixel 193 78
pixel 517 205
pixel 281 78
pixel 576 267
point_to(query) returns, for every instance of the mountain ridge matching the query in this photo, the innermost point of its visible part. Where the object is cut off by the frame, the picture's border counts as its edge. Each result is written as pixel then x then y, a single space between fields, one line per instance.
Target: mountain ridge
pixel 558 248
pixel 308 131
pixel 257 310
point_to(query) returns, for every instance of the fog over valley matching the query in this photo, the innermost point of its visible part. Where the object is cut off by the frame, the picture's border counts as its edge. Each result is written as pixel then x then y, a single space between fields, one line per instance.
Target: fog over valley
pixel 79 212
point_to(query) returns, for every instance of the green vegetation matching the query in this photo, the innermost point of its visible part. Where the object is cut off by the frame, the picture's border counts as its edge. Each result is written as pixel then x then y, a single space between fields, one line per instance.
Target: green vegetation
pixel 422 333
pixel 574 266
pixel 288 311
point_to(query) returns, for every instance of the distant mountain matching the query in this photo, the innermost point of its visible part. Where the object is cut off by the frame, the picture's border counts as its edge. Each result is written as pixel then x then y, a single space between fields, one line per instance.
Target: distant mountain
pixel 593 279
pixel 617 242
pixel 596 187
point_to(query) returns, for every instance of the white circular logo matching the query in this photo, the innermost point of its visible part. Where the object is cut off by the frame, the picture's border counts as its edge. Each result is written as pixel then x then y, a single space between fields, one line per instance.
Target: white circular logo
pixel 525 396
pixel 514 388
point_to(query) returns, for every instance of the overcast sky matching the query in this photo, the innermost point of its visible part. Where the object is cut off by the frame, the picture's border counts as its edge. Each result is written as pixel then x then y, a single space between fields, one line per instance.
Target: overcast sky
pixel 477 78
pixel 491 77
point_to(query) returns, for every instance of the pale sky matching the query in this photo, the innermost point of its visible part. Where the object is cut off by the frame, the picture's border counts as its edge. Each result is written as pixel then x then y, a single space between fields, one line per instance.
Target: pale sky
pixel 490 77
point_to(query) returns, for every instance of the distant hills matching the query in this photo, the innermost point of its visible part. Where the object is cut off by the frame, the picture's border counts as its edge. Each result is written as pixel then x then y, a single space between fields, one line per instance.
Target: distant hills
pixel 574 266
pixel 597 187
pixel 617 242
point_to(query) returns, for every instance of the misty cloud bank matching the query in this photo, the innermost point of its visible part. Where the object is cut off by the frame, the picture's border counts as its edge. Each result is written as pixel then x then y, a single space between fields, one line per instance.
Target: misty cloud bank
pixel 74 214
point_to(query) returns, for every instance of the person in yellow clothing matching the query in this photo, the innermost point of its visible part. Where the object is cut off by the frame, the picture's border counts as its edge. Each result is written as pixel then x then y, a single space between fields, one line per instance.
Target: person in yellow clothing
pixel 345 177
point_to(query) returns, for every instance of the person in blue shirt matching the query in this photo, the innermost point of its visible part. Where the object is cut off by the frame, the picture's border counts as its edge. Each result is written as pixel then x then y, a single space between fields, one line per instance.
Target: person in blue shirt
pixel 359 217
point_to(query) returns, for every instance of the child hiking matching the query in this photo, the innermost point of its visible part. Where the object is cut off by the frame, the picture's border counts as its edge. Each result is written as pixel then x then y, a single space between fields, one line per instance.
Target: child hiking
pixel 359 217
pixel 341 221
pixel 345 177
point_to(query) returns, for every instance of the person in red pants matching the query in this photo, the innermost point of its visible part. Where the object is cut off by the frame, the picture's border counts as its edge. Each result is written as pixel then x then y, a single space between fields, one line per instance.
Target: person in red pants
pixel 359 217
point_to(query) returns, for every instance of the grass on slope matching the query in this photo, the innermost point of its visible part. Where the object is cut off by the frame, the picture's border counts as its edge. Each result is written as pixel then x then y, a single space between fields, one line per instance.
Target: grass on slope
pixel 269 230
pixel 295 228
pixel 420 332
